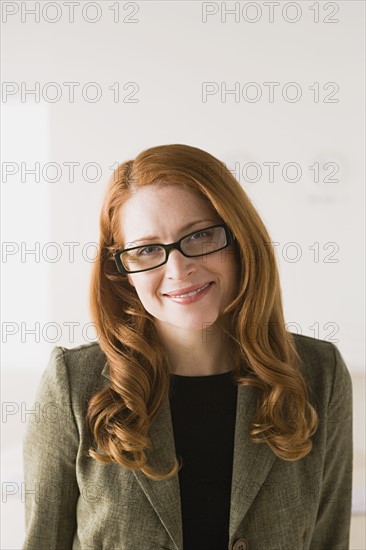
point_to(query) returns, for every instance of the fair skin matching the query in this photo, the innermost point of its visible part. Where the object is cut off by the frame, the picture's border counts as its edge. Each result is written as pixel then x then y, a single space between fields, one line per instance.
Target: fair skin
pixel 190 332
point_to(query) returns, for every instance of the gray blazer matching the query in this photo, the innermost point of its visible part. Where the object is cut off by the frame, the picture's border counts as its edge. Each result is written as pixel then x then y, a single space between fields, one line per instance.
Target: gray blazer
pixel 74 502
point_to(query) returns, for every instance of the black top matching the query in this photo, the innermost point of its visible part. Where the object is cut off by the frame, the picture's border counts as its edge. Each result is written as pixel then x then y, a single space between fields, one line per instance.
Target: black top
pixel 203 412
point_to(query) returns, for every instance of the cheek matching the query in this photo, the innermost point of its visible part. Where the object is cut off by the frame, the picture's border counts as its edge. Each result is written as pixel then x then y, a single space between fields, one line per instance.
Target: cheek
pixel 227 264
pixel 145 288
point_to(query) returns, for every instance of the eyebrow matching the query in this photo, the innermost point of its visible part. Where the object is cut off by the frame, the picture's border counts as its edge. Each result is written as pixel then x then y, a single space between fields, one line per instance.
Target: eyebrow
pixel 187 226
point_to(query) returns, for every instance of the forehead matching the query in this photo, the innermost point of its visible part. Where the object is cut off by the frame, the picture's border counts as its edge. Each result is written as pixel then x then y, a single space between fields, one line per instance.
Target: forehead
pixel 162 210
pixel 153 197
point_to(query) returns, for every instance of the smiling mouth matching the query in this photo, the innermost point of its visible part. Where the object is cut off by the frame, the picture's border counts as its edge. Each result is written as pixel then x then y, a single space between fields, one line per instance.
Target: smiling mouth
pixel 191 293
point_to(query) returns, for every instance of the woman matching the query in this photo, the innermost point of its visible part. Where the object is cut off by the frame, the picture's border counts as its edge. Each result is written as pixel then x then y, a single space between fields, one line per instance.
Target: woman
pixel 198 421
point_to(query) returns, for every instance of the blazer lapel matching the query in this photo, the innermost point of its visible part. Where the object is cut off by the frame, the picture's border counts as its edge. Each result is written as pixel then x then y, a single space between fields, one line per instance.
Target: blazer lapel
pixel 251 465
pixel 164 495
pixel 251 462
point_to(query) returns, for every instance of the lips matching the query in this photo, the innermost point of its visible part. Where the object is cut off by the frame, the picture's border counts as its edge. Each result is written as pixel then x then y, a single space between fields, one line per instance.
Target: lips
pixel 187 289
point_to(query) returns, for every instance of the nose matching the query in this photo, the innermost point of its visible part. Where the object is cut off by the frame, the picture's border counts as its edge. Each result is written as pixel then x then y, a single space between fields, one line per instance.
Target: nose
pixel 179 266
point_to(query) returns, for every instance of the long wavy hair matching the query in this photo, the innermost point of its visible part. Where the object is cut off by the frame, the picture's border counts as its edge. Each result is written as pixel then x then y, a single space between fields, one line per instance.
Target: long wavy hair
pixel 263 351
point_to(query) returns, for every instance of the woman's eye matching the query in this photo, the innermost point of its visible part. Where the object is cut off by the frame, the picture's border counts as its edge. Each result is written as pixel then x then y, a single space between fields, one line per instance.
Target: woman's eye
pixel 147 250
pixel 199 235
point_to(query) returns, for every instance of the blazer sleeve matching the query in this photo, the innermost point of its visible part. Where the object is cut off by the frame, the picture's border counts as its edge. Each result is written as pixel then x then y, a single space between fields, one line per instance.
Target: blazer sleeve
pixel 334 513
pixel 50 447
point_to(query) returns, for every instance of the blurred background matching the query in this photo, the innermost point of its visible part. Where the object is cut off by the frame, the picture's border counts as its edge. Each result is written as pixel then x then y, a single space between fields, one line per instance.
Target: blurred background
pixel 274 89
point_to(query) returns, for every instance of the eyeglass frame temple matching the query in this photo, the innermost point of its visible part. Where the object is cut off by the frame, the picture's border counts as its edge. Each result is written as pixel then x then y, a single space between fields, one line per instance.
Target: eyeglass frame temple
pixel 230 238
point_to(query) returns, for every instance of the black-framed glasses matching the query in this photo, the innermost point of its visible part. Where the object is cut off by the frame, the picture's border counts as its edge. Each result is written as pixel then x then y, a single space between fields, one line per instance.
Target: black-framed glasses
pixel 149 256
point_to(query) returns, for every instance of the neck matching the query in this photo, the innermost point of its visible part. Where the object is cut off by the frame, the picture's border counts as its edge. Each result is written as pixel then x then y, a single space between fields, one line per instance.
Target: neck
pixel 195 352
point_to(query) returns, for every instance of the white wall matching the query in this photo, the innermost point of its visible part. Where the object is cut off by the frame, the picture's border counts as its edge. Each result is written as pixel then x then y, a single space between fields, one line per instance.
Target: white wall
pixel 169 52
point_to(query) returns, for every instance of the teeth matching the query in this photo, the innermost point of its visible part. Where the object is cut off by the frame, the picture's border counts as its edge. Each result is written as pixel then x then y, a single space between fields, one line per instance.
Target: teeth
pixel 191 293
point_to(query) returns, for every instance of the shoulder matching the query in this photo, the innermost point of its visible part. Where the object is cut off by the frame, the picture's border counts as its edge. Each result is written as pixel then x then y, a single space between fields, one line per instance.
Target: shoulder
pixel 312 348
pixel 89 356
pixel 324 371
pixel 79 371
pixel 318 357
